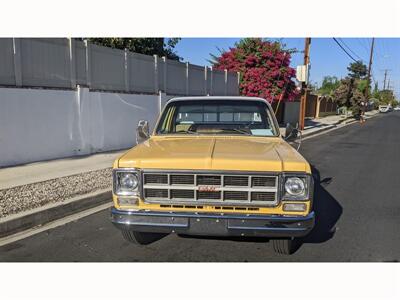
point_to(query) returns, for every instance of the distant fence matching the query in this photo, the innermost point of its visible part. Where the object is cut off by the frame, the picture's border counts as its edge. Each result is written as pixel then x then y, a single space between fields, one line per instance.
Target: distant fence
pixel 66 63
pixel 327 106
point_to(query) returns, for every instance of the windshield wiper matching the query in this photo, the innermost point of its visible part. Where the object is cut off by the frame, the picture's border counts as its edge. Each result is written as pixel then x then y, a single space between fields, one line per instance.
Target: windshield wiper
pixel 237 130
pixel 186 131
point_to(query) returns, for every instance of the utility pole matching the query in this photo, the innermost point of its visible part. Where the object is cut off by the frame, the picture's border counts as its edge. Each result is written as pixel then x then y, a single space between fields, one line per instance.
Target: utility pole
pixel 369 69
pixel 303 98
pixel 384 81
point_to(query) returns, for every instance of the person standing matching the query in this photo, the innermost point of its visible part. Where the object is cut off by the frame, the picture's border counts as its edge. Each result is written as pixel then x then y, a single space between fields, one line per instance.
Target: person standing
pixel 363 107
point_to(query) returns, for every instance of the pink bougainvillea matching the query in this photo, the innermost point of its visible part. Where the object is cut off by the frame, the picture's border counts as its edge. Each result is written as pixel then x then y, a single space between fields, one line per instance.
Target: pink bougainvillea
pixel 264 68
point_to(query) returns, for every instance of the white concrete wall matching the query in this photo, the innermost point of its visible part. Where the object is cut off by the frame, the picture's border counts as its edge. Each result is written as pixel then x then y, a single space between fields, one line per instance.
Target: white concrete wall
pixel 40 124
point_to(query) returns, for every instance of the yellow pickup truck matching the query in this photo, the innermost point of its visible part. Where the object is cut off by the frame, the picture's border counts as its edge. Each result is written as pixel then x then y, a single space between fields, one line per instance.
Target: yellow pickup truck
pixel 214 166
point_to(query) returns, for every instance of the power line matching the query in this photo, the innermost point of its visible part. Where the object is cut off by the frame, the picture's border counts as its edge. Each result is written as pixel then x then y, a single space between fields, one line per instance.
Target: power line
pixel 344 50
pixel 355 54
pixel 363 45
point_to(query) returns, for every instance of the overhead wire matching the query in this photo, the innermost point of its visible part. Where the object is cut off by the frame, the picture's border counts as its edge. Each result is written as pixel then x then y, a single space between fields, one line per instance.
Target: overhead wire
pixel 348 54
pixel 355 54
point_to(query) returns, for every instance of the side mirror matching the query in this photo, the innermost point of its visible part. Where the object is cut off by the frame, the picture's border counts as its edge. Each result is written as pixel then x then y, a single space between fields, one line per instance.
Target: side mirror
pixel 291 133
pixel 291 136
pixel 142 131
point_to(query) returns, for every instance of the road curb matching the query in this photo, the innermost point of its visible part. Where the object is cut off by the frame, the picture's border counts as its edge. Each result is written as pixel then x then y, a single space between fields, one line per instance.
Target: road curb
pixel 343 122
pixel 329 127
pixel 51 212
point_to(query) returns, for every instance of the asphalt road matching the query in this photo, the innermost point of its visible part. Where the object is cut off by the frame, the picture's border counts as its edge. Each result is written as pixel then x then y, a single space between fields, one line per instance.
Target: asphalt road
pixel 357 206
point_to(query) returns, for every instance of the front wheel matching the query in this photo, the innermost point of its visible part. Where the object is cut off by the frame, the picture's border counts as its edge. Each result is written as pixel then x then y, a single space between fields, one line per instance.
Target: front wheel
pixel 141 238
pixel 285 246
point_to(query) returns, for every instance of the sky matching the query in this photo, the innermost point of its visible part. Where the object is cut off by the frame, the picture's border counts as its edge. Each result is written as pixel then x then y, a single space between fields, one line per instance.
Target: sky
pixel 327 58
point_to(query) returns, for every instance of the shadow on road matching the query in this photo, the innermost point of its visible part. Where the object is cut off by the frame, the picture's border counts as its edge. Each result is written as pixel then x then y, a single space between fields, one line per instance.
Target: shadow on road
pixel 327 211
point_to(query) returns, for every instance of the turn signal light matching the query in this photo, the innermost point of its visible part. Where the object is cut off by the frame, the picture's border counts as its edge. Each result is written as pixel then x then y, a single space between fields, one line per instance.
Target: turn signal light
pixel 127 201
pixel 294 207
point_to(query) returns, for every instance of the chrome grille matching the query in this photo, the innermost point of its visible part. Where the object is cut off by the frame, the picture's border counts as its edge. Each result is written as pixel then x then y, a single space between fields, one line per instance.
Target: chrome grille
pixel 236 180
pixel 156 178
pixel 263 181
pixel 262 196
pixel 208 179
pixel 156 193
pixel 208 195
pixel 182 179
pixel 182 194
pixel 168 187
pixel 236 195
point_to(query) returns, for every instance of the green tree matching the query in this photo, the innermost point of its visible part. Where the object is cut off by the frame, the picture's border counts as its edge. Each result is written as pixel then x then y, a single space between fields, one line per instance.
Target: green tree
pixel 348 94
pixel 328 86
pixel 148 46
pixel 386 97
pixel 362 85
pixel 357 70
pixel 351 90
pixel 375 92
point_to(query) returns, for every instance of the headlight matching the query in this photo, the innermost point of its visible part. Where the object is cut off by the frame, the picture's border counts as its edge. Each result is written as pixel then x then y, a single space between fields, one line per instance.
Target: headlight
pixel 128 181
pixel 296 187
pixel 125 182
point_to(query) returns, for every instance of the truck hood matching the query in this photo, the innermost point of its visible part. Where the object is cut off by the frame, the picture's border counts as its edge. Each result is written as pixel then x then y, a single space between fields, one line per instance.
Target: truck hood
pixel 242 153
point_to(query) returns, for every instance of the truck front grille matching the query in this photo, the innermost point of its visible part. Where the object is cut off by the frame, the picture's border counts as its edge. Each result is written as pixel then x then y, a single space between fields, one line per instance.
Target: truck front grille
pixel 155 179
pixel 236 180
pixel 182 194
pixel 182 179
pixel 156 193
pixel 202 188
pixel 208 180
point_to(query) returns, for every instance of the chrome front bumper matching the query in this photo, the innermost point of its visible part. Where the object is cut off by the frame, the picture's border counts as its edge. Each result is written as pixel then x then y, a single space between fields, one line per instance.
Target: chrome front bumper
pixel 213 224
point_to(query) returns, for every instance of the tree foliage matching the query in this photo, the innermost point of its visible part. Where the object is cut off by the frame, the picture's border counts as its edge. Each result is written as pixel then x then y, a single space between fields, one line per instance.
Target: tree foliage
pixel 357 70
pixel 386 97
pixel 348 93
pixel 264 68
pixel 148 46
pixel 328 87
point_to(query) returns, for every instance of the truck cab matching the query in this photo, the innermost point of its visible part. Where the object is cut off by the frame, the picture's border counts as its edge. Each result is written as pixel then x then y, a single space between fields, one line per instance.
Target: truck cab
pixel 214 166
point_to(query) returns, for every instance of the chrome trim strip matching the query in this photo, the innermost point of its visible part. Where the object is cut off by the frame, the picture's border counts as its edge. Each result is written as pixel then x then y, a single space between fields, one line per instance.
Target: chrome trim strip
pixel 212 172
pixel 218 188
pixel 265 228
pixel 155 224
pixel 247 216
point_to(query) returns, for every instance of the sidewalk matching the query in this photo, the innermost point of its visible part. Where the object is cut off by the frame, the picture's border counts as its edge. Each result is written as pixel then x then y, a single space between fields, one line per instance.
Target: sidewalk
pixel 314 126
pixel 62 182
pixel 46 170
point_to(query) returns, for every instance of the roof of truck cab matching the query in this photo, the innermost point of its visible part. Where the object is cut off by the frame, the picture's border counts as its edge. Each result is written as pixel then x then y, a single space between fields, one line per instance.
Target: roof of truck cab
pixel 201 98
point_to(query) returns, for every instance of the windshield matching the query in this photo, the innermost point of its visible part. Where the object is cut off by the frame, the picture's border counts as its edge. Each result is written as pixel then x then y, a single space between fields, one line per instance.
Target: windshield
pixel 228 117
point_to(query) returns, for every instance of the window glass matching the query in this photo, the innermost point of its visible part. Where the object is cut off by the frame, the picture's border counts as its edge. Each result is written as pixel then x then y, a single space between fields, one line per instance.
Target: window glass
pixel 218 117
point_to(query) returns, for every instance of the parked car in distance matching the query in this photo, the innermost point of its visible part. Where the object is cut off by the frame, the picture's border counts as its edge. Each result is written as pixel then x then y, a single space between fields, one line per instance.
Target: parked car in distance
pixel 384 108
pixel 397 108
pixel 214 166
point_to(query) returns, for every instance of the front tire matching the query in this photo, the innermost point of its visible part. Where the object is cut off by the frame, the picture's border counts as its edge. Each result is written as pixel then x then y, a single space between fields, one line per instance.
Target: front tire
pixel 141 238
pixel 285 246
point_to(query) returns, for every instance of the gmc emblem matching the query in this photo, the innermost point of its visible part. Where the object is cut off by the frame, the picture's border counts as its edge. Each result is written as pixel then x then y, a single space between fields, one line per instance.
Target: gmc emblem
pixel 207 188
